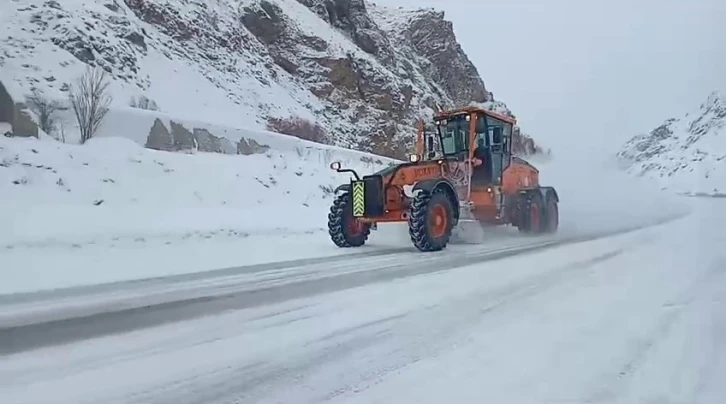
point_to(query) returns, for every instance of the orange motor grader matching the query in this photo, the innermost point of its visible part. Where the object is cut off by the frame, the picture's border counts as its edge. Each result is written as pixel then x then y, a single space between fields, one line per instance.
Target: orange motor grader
pixel 463 170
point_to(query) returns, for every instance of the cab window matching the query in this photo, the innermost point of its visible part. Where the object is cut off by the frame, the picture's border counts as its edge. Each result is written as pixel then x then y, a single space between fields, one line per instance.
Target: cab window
pixel 481 132
pixel 499 133
pixel 455 135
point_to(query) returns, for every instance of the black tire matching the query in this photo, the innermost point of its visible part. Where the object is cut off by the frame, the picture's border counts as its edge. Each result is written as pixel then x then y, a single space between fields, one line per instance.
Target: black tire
pixel 340 224
pixel 552 213
pixel 532 218
pixel 424 206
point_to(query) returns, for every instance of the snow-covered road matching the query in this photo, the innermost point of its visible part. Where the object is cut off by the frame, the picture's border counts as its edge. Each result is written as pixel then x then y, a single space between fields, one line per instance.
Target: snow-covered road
pixel 636 317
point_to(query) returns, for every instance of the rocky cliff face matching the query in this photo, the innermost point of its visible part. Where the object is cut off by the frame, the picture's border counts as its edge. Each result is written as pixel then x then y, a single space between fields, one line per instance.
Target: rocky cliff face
pixel 687 154
pixel 410 63
pixel 360 73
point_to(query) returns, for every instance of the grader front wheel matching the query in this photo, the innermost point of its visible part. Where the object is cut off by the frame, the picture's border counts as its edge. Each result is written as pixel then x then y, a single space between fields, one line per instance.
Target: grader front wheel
pixel 344 229
pixel 431 221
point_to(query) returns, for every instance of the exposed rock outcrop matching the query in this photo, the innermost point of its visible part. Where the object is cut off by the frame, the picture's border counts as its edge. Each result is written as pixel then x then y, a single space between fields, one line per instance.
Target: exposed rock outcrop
pixel 23 124
pixel 181 139
pixel 250 146
pixel 15 117
pixel 364 72
pixel 7 106
pixel 159 137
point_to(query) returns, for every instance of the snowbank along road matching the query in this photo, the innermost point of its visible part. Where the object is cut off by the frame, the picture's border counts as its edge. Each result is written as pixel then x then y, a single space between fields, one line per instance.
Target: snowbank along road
pixel 631 317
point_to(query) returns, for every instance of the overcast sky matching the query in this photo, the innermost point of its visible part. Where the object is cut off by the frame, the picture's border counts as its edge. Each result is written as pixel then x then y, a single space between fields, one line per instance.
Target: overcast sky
pixel 604 70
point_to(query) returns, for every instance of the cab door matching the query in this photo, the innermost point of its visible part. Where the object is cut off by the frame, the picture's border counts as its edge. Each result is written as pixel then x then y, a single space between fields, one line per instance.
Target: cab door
pixel 498 152
pixel 500 134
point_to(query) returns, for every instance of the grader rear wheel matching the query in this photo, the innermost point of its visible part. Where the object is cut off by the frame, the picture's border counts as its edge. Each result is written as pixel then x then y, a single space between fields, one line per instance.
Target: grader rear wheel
pixel 539 215
pixel 552 214
pixel 532 214
pixel 431 221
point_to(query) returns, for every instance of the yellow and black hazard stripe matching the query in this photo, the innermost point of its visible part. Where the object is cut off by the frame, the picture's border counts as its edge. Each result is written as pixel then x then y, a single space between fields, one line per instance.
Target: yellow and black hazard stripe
pixel 359 206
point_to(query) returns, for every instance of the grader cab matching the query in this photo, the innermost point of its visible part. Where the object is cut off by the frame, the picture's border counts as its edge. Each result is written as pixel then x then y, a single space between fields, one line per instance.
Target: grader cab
pixel 463 170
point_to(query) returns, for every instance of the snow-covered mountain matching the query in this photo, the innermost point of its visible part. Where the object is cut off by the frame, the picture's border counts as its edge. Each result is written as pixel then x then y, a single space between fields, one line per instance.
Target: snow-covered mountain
pixel 362 72
pixel 687 154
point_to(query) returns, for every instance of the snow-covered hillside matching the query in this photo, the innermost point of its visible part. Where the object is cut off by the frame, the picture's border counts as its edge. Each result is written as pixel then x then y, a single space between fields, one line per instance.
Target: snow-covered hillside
pixel 362 72
pixel 112 190
pixel 111 209
pixel 686 155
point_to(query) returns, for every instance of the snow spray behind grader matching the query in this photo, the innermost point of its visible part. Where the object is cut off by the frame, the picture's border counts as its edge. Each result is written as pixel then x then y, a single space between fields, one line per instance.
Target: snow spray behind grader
pixel 462 171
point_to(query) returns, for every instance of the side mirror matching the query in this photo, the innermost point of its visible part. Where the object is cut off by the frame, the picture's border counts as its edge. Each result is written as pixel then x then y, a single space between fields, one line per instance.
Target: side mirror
pixel 414 158
pixel 335 165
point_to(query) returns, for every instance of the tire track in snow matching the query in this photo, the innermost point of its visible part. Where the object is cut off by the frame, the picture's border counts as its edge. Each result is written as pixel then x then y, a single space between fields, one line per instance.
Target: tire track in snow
pixel 380 348
pixel 252 384
pixel 234 296
pixel 15 339
pixel 248 381
pixel 75 291
pixel 483 304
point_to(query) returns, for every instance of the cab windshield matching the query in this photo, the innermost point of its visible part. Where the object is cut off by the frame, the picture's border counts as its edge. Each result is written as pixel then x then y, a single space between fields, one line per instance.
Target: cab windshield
pixel 454 135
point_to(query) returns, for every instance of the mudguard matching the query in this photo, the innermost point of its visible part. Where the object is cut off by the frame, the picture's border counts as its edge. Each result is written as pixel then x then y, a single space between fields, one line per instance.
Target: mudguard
pixel 344 187
pixel 543 191
pixel 445 185
pixel 547 190
pixel 430 185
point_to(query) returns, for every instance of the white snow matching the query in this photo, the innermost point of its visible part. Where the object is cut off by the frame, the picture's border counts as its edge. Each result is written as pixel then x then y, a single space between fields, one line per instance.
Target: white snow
pixel 177 79
pixel 112 210
pixel 632 318
pixel 141 192
pixel 69 209
pixel 685 155
pixel 596 196
pixel 208 77
pixel 5 127
pixel 130 295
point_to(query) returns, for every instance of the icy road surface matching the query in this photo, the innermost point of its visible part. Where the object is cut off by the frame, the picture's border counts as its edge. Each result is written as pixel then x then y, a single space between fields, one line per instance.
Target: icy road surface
pixel 636 317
